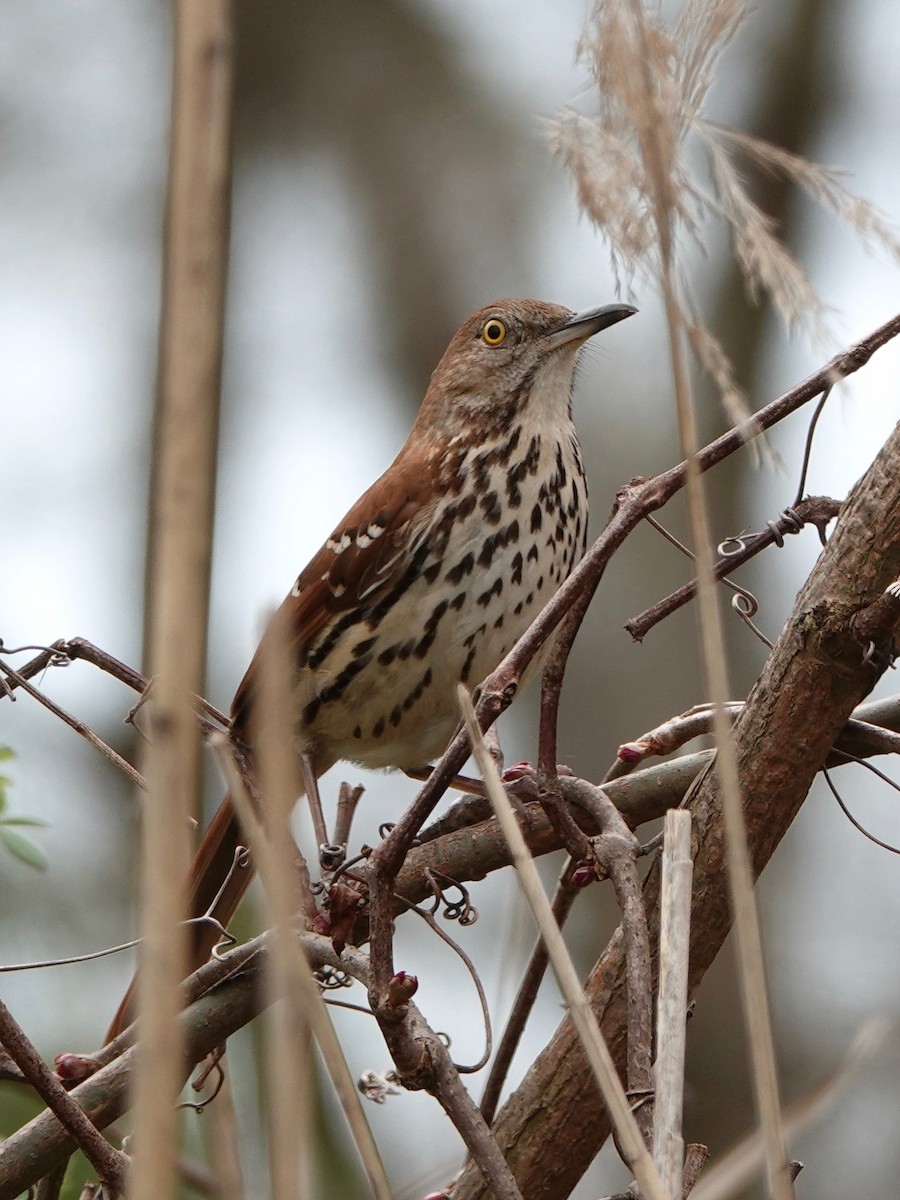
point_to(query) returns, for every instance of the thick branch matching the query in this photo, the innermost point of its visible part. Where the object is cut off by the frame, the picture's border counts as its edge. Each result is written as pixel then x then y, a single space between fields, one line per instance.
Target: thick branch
pixel 554 1123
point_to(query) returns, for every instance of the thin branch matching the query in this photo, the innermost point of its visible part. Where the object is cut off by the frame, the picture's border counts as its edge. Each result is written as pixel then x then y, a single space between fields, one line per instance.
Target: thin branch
pixel 80 727
pixel 475 851
pixel 63 652
pixel 110 1164
pixel 43 1143
pixel 813 510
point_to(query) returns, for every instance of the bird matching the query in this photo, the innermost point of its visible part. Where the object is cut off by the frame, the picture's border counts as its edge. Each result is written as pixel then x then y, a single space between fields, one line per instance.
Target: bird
pixel 435 572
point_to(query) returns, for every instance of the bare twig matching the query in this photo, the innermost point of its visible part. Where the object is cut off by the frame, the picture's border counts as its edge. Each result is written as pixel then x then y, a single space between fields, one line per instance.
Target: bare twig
pixel 809 687
pixel 422 1061
pixel 633 1148
pixel 80 727
pixel 216 1013
pixel 694 1161
pixel 63 652
pixel 110 1164
pixel 643 796
pixel 813 510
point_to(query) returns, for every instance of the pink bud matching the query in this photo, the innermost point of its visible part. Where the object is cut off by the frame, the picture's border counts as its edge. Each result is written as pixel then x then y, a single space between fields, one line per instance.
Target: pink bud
pixel 72 1068
pixel 584 875
pixel 402 988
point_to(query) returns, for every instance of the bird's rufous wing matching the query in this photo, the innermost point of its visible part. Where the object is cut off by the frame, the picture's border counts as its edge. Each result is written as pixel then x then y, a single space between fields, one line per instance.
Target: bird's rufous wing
pixel 356 563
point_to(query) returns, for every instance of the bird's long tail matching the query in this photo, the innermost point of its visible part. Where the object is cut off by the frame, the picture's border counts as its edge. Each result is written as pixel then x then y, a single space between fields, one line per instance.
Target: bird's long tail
pixel 217 885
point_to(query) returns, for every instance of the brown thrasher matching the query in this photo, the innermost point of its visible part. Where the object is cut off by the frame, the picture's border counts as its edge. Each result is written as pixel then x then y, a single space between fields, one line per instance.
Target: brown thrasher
pixel 437 569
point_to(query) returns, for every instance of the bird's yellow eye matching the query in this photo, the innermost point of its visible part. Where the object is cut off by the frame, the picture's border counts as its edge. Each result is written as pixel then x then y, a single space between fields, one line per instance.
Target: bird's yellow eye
pixel 494 332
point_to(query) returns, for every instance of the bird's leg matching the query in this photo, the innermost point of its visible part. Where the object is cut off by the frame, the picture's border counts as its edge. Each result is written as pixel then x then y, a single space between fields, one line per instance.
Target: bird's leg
pixel 311 786
pixel 491 740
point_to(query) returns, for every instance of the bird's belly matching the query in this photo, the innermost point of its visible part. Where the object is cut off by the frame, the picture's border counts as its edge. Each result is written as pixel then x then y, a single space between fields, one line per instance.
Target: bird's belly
pixel 386 693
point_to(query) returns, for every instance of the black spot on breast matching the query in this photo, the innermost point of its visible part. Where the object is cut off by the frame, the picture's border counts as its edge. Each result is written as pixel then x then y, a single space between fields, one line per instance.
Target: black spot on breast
pixel 514 477
pixel 378 728
pixel 466 505
pixel 416 694
pixel 396 714
pixel 536 517
pixel 487 552
pixel 490 505
pixel 431 573
pixel 480 473
pixel 463 567
pixel 467 665
pixel 406 649
pixel 498 624
pixel 364 646
pixel 494 590
pixel 517 564
pixel 375 615
pixel 357 732
pixel 504 454
pixel 431 625
pixel 339 684
pixel 386 657
pixel 458 600
pixel 532 555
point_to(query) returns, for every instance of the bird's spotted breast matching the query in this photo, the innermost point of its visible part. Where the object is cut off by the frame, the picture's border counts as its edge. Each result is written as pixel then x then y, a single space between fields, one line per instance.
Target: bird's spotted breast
pixel 507 527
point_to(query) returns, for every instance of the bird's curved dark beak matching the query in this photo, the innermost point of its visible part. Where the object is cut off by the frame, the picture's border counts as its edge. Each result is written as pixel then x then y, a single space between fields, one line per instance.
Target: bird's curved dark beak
pixel 581 326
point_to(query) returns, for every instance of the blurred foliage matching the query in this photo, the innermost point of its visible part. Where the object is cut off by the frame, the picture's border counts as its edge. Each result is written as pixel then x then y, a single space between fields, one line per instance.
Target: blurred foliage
pixel 16 843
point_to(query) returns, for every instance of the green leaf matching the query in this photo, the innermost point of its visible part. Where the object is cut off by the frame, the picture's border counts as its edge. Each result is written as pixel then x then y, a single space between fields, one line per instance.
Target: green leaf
pixel 22 849
pixel 34 822
pixel 5 754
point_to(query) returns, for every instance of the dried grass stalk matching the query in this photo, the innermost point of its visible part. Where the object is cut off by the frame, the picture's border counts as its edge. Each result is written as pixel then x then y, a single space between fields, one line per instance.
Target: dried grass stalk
pixel 651 141
pixel 182 496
